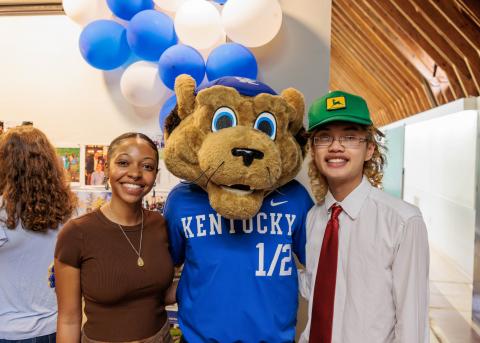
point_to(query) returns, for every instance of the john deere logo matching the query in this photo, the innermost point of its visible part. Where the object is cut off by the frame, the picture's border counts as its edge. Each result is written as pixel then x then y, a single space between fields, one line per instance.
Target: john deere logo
pixel 336 103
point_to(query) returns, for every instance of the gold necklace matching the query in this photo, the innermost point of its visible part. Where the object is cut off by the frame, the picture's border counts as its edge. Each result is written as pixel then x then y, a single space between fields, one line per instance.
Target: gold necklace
pixel 140 261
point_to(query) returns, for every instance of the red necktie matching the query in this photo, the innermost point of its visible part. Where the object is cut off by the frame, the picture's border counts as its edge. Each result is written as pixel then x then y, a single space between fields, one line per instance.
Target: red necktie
pixel 324 293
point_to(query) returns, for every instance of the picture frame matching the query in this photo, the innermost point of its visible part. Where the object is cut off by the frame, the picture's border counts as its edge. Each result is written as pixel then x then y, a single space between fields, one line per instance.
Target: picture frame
pixel 70 157
pixel 90 199
pixel 94 158
pixel 30 7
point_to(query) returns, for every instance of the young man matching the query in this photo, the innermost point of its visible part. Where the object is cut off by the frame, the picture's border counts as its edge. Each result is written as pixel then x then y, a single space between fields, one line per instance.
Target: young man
pixel 366 275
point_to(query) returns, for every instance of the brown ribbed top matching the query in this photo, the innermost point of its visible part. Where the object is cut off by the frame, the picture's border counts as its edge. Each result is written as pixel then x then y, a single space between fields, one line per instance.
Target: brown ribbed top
pixel 123 302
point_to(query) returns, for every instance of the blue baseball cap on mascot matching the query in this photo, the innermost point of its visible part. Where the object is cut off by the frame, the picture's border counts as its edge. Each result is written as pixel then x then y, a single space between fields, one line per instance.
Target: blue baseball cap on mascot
pixel 243 85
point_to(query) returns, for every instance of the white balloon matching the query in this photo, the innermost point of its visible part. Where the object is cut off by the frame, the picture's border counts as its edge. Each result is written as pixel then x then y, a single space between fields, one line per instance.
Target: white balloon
pixel 141 85
pixel 206 52
pixel 169 5
pixel 198 24
pixel 252 22
pixel 84 11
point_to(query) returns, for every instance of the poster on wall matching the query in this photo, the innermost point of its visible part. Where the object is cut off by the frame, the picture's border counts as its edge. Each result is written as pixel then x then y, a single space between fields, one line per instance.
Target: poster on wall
pixel 95 157
pixel 91 199
pixel 70 159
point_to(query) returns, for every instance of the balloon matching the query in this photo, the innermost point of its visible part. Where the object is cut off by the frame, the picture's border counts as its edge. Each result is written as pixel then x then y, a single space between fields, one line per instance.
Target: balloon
pixel 198 24
pixel 84 11
pixel 252 22
pixel 167 107
pixel 221 2
pixel 103 44
pixel 231 59
pixel 206 52
pixel 150 33
pixel 169 5
pixel 121 21
pixel 126 9
pixel 141 86
pixel 181 59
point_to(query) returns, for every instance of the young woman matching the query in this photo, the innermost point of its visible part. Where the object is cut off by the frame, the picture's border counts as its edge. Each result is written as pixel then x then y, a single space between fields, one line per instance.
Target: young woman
pixel 116 257
pixel 35 200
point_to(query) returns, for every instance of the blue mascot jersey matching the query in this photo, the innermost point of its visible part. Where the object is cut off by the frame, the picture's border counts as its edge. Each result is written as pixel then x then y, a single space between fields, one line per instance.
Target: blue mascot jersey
pixel 239 281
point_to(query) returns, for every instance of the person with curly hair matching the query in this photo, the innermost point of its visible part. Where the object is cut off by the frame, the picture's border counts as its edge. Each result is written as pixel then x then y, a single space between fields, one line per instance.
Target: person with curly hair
pixel 117 258
pixel 35 200
pixel 366 275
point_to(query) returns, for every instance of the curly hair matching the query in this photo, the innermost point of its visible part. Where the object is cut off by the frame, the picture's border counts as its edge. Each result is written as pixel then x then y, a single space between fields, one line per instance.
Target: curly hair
pixel 372 169
pixel 33 183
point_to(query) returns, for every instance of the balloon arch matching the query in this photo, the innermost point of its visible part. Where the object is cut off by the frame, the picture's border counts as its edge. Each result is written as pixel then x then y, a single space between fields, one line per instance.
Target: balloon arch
pixel 172 37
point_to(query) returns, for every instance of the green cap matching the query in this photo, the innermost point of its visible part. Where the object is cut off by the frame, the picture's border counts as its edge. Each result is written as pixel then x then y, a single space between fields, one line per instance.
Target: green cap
pixel 338 106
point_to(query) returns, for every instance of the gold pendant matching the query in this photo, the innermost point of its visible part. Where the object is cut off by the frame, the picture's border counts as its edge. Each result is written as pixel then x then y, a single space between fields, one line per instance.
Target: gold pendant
pixel 140 262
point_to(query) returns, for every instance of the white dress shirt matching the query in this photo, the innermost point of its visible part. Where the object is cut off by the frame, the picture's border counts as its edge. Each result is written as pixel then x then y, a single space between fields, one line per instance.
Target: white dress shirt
pixel 381 292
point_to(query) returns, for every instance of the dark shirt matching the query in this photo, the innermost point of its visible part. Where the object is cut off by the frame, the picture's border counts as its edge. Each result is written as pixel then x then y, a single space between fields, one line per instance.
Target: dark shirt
pixel 123 302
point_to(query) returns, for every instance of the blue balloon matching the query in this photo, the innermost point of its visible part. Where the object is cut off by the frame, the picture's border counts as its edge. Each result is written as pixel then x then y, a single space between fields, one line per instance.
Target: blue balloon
pixel 166 109
pixel 150 33
pixel 231 59
pixel 180 59
pixel 221 2
pixel 126 9
pixel 103 44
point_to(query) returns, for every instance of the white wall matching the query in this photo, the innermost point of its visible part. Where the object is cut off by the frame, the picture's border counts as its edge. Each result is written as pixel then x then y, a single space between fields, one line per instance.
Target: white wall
pixel 440 166
pixel 44 79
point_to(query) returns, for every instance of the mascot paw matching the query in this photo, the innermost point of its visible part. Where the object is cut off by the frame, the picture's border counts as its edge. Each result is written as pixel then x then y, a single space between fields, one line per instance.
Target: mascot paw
pixel 51 276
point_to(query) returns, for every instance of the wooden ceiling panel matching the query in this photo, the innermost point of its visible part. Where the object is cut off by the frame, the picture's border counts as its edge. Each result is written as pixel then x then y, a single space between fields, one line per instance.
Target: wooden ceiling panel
pixel 462 24
pixel 391 12
pixel 360 33
pixel 409 48
pixel 438 40
pixel 405 56
pixel 471 8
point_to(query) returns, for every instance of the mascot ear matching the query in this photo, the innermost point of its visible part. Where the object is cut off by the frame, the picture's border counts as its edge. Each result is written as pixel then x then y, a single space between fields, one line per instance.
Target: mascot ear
pixel 185 92
pixel 295 99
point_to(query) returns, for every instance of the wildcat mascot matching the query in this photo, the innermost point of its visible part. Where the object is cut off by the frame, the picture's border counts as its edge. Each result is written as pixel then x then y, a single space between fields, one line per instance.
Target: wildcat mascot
pixel 238 218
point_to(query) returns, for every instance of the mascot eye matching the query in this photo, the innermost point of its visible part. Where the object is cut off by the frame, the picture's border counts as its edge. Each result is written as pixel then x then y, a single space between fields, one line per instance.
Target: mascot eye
pixel 267 123
pixel 223 118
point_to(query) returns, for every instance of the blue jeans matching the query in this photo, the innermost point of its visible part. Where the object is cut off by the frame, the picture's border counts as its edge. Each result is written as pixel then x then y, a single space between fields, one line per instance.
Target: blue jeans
pixel 42 339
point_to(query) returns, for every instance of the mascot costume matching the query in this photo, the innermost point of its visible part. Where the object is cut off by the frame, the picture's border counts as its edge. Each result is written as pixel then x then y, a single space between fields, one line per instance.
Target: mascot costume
pixel 238 218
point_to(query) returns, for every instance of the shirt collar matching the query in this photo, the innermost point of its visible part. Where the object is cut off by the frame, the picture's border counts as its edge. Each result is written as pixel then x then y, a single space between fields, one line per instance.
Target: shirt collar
pixel 354 201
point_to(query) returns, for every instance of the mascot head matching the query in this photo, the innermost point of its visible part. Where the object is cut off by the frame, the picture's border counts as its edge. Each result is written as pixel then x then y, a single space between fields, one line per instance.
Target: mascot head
pixel 237 139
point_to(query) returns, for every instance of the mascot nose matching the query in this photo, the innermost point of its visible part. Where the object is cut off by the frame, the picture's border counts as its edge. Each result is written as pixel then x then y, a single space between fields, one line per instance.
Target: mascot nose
pixel 248 155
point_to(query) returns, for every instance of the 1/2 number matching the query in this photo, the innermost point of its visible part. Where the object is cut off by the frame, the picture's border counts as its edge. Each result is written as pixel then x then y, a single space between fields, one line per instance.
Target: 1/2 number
pixel 281 248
